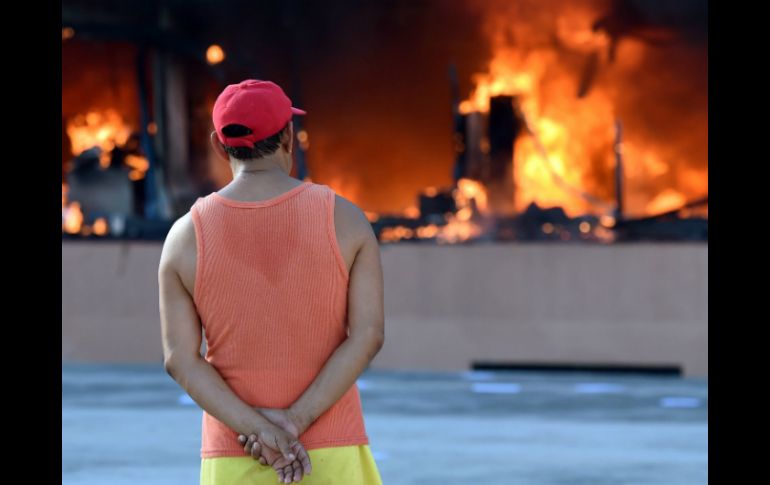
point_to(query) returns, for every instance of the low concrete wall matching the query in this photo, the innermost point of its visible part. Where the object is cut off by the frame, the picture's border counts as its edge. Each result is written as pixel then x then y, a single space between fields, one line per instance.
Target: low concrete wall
pixel 446 306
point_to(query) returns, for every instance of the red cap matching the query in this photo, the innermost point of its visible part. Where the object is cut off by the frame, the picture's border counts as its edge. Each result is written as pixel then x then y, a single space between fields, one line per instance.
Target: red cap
pixel 261 106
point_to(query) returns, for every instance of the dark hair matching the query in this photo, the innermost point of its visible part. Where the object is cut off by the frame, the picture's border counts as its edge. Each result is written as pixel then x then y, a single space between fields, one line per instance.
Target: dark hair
pixel 262 148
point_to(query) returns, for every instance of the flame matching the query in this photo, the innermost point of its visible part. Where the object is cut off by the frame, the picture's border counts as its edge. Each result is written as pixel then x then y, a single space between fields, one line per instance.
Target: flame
pixel 303 139
pixel 215 54
pixel 395 233
pixel 607 221
pixel 470 198
pixel 412 212
pixel 100 227
pixel 468 190
pixel 570 130
pixel 72 218
pixel 542 62
pixel 103 129
pixel 667 200
pixel 457 229
pixel 139 166
pixel 424 232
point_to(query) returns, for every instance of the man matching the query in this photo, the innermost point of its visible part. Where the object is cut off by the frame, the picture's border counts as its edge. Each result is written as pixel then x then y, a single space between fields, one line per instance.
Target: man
pixel 284 278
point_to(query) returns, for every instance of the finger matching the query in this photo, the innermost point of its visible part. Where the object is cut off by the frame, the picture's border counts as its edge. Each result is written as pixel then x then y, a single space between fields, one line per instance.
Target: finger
pixel 250 444
pixel 241 439
pixel 297 470
pixel 288 471
pixel 256 450
pixel 280 463
pixel 304 459
pixel 280 475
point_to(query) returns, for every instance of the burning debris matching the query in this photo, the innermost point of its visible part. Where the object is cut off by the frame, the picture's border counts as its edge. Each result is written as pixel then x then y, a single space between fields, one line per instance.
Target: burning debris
pixel 104 191
pixel 540 153
pixel 540 138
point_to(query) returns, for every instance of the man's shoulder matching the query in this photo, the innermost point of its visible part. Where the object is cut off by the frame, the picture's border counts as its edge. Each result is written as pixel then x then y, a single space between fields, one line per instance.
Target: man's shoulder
pixel 350 221
pixel 180 239
pixel 183 228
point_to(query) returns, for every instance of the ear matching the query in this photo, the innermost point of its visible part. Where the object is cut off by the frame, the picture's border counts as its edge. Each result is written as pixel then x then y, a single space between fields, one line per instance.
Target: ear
pixel 221 153
pixel 287 139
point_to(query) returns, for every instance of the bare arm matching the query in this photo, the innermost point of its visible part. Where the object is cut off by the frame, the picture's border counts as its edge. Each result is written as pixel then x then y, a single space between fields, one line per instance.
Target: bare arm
pixel 181 333
pixel 366 330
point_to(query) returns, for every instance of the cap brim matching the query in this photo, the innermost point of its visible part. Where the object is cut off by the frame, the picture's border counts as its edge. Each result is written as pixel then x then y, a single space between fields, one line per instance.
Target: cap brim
pixel 298 111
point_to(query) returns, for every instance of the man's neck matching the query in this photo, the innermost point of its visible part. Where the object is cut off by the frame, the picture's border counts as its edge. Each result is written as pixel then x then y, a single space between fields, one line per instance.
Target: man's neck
pixel 264 168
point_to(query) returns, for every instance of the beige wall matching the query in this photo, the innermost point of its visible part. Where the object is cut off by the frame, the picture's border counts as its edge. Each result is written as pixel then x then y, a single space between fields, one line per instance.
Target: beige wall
pixel 446 306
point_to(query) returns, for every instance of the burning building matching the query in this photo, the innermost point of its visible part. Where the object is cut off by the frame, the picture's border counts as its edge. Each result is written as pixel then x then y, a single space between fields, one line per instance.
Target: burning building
pixel 559 120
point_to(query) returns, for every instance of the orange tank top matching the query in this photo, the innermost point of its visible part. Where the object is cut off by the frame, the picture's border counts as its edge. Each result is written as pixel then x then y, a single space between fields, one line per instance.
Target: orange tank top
pixel 271 289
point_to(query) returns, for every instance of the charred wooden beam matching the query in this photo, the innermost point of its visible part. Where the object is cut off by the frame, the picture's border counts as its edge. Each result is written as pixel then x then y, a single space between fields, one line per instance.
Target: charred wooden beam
pixel 504 126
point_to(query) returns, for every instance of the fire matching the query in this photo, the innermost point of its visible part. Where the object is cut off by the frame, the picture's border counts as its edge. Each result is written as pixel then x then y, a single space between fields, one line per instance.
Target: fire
pixel 458 229
pixel 100 227
pixel 607 221
pixel 396 233
pixel 215 54
pixel 304 139
pixel 468 190
pixel 470 199
pixel 593 114
pixel 557 66
pixel 72 218
pixel 139 166
pixel 424 232
pixel 104 129
pixel 572 131
pixel 412 212
pixel 665 201
pixel 72 222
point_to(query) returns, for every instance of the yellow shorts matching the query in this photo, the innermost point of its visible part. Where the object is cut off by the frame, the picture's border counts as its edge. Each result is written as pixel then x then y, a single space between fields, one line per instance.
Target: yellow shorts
pixel 349 465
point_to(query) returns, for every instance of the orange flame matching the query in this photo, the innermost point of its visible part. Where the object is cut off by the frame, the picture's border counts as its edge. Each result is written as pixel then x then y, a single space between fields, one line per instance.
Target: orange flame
pixel 540 62
pixel 468 189
pixel 100 227
pixel 103 129
pixel 470 198
pixel 72 218
pixel 139 166
pixel 667 200
pixel 215 54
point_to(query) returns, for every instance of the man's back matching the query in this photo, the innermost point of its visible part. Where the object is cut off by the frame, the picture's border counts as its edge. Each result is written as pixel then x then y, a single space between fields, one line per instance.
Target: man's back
pixel 353 233
pixel 270 284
